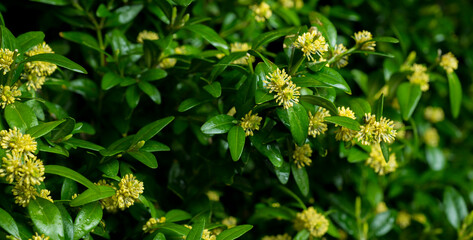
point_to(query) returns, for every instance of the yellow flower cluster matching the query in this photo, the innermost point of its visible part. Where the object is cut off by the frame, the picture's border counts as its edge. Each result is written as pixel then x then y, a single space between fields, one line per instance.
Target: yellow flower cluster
pixel 229 222
pixel 292 3
pixel 39 237
pixel 310 43
pixel 381 207
pixel 434 114
pixel 206 234
pixel 339 50
pixel 362 38
pixel 377 162
pixel 146 35
pixel 431 137
pixel 449 62
pixel 241 47
pixel 278 237
pixel 343 133
pixel 250 122
pixel 8 95
pixel 302 155
pixel 213 196
pixel 6 59
pixel 317 123
pixel 37 71
pixel 419 76
pixel 152 223
pixel 376 131
pixel 129 190
pixel 287 93
pixel 403 219
pixel 262 11
pixel 313 221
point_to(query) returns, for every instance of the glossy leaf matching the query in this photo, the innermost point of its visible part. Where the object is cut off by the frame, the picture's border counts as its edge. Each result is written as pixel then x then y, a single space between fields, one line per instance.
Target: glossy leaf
pixel 20 115
pixel 28 40
pixel 210 35
pixel 43 128
pixel 84 144
pixel 236 142
pixel 151 129
pixel 234 232
pixel 215 89
pixel 146 158
pixel 92 195
pixel 123 15
pixel 324 26
pixel 301 178
pixel 87 219
pixel 322 102
pixel 408 96
pixel 344 122
pixel 132 96
pixel 63 130
pixel 283 172
pixel 386 39
pixel 69 173
pixel 8 40
pixel 197 228
pixel 298 123
pixel 271 151
pixel 382 223
pixel 271 36
pixel 8 224
pixel 435 158
pixel 189 104
pixel 332 78
pixel 151 91
pixel 59 60
pixel 454 207
pixel 455 93
pixel 177 215
pixel 66 222
pixel 110 80
pixel 153 75
pixel 46 218
pixel 218 124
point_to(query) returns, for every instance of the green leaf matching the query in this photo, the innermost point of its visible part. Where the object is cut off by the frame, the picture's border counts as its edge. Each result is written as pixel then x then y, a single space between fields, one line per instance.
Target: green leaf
pixel 151 129
pixel 382 223
pixel 283 172
pixel 210 35
pixel 271 36
pixel 298 123
pixel 66 222
pixel 378 107
pixel 146 158
pixel 330 77
pixel 215 89
pixel 69 173
pixel 46 218
pixel 385 39
pixel 110 80
pixel 153 74
pixel 302 235
pixel 123 15
pixel 159 236
pixel 84 144
pixel 234 232
pixel 20 115
pixel 324 26
pixel 92 195
pixel 197 228
pixel 151 91
pixel 177 215
pixel 224 63
pixel 322 102
pixel 301 178
pixel 357 155
pixel 184 3
pixel 344 122
pixel 43 128
pixel 375 53
pixel 102 11
pixel 87 219
pixel 132 96
pixel 435 158
pixel 189 104
pixel 454 206
pixel 84 39
pixel 153 146
pixel 455 93
pixel 28 40
pixel 8 224
pixel 58 60
pixel 8 40
pixel 271 151
pixel 63 130
pixel 218 124
pixel 236 141
pixel 360 106
pixel 56 149
pixel 384 150
pixel 408 96
pixel 68 189
pixel 175 228
pixel 54 2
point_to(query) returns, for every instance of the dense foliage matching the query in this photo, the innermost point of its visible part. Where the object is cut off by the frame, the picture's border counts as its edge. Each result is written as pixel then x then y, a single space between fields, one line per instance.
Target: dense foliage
pixel 218 120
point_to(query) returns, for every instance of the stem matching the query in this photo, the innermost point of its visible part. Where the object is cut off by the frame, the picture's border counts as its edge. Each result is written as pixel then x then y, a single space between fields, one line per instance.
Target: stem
pixel 293 68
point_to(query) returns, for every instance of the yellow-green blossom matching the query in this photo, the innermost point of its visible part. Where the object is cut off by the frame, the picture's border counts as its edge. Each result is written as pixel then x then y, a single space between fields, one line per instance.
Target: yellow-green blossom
pixel 39 237
pixel 110 203
pixel 208 235
pixel 317 123
pixel 241 47
pixel 449 62
pixel 403 219
pixel 152 223
pixel 287 93
pixel 375 132
pixel 362 39
pixel 292 3
pixel 339 50
pixel 11 166
pixel 8 95
pixel 431 137
pixel 40 68
pixel 381 207
pixel 31 172
pixel 302 155
pixel 14 140
pixel 434 114
pixel 34 82
pixel 229 222
pixel 343 133
pixel 419 76
pixel 23 194
pixel 377 162
pixel 146 35
pixel 278 237
pixel 6 59
pixel 313 221
pixel 46 194
pixel 129 191
pixel 262 11
pixel 213 196
pixel 166 63
pixel 250 122
pixel 312 43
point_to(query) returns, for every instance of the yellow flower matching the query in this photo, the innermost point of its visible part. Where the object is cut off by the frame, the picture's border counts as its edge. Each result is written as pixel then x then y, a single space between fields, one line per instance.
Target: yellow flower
pixel 208 235
pixel 6 59
pixel 338 50
pixel 250 123
pixel 46 194
pixel 377 162
pixel 23 194
pixel 39 68
pixel 278 237
pixel 419 76
pixel 8 95
pixel 381 207
pixel 11 165
pixel 34 82
pixel 229 222
pixel 152 223
pixel 361 39
pixel 375 132
pixel 403 219
pixel 343 133
pixel 431 137
pixel 167 63
pixel 302 155
pixel 39 237
pixel 419 217
pixel 287 93
pixel 434 114
pixel 449 62
pixel 261 11
pixel 110 203
pixel 31 172
pixel 310 43
pixel 213 196
pixel 241 47
pixel 315 222
pixel 292 3
pixel 317 124
pixel 14 140
pixel 129 190
pixel 146 35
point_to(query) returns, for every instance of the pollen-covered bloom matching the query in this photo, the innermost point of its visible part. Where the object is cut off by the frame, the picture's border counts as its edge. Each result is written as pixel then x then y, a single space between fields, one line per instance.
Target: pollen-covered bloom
pixel 419 76
pixel 167 62
pixel 34 82
pixel 14 140
pixel 213 196
pixel 46 194
pixel 339 50
pixel 31 172
pixel 208 235
pixel 343 133
pixel 287 93
pixel 431 137
pixel 284 236
pixel 302 155
pixel 39 237
pixel 250 122
pixel 362 39
pixel 110 203
pixel 381 207
pixel 434 114
pixel 8 95
pixel 312 43
pixel 40 68
pixel 146 35
pixel 229 222
pixel 313 221
pixel 152 223
pixel 317 123
pixel 262 11
pixel 377 162
pixel 292 3
pixel 23 194
pixel 375 132
pixel 6 59
pixel 129 191
pixel 449 62
pixel 403 219
pixel 11 166
pixel 241 47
